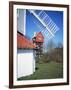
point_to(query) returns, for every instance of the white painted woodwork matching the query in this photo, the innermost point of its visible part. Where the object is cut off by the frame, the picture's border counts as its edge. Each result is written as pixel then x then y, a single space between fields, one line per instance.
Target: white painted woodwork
pixel 21 21
pixel 26 63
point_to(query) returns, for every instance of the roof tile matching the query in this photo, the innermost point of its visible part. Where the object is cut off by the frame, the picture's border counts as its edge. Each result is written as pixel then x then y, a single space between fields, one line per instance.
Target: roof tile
pixel 24 43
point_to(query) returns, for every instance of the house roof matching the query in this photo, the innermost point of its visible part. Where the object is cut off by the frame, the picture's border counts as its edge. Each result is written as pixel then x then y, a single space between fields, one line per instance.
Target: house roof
pixel 23 42
pixel 39 37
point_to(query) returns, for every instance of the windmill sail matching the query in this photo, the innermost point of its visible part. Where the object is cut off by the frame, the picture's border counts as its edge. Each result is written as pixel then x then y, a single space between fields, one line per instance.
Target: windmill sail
pixel 43 30
pixel 49 27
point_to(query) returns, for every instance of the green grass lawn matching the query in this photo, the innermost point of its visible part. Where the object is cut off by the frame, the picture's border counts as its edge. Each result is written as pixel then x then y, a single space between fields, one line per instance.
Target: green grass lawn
pixel 49 70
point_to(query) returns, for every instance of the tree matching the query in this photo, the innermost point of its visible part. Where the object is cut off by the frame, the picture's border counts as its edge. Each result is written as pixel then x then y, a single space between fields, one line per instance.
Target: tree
pixel 59 45
pixel 50 46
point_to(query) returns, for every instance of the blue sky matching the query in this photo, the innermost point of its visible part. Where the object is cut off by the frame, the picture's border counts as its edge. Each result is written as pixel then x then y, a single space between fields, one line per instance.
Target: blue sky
pixel 31 27
pixel 56 16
